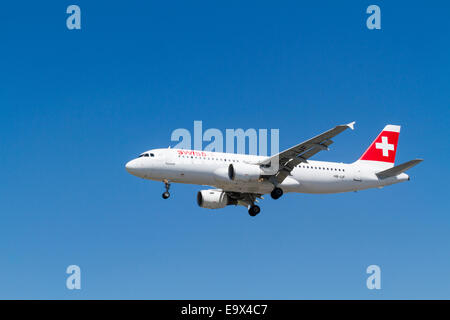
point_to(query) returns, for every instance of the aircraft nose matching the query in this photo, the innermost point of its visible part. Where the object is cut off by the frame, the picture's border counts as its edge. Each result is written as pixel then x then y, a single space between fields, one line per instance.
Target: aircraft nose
pixel 132 166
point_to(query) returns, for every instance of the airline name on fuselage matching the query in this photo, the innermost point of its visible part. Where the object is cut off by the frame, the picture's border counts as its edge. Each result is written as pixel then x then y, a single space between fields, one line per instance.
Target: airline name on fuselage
pixel 192 153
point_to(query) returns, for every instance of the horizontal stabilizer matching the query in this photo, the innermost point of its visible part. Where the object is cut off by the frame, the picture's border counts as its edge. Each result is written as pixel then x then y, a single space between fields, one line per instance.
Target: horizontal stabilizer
pixel 394 171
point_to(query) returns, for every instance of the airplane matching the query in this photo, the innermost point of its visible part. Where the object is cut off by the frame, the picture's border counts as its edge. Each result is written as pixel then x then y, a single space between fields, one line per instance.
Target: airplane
pixel 241 179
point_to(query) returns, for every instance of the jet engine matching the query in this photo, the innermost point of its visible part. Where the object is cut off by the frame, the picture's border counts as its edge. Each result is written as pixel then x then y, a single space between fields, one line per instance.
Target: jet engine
pixel 213 199
pixel 244 172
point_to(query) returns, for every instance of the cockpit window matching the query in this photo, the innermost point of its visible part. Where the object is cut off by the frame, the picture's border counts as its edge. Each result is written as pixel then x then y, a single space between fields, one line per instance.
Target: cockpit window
pixel 147 155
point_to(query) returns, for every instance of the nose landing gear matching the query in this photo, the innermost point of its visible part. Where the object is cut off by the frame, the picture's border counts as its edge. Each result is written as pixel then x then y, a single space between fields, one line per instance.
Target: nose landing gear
pixel 166 194
pixel 253 210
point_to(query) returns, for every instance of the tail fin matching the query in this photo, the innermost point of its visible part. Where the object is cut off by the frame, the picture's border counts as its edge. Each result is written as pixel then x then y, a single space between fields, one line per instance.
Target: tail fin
pixel 381 152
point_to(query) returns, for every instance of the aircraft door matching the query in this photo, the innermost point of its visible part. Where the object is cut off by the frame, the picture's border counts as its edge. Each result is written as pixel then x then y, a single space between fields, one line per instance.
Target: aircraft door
pixel 357 175
pixel 170 157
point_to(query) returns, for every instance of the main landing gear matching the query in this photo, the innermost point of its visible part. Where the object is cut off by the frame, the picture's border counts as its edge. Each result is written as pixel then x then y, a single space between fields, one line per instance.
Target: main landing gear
pixel 253 210
pixel 276 193
pixel 166 194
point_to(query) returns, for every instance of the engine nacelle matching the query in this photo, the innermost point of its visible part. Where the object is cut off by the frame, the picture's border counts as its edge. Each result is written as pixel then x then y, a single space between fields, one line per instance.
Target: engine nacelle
pixel 244 172
pixel 212 199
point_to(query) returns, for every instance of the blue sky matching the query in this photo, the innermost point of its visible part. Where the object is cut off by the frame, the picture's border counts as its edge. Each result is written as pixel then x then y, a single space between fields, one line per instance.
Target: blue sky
pixel 77 105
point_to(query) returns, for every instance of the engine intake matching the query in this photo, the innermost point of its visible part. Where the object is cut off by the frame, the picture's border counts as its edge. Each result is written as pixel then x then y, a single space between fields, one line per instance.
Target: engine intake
pixel 213 199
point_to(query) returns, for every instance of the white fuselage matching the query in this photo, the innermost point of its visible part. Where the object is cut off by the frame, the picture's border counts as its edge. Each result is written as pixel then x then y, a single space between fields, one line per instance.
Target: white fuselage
pixel 211 169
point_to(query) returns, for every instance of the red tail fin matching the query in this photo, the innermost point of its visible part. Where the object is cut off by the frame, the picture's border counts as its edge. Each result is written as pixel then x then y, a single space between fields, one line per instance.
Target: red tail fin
pixel 384 147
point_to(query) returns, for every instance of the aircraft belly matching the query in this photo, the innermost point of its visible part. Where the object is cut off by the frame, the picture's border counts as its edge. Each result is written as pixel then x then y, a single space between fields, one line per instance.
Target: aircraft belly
pixel 247 187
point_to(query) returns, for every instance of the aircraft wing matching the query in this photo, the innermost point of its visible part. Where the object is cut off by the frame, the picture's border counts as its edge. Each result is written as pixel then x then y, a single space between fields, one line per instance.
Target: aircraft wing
pixel 288 159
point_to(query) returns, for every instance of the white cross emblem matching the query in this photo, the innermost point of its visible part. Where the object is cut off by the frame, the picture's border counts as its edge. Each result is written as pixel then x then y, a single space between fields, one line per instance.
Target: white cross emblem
pixel 385 146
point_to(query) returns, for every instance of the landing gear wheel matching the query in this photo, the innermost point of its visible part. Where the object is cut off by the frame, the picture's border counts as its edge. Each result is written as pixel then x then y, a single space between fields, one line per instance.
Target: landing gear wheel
pixel 276 193
pixel 253 210
pixel 166 195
